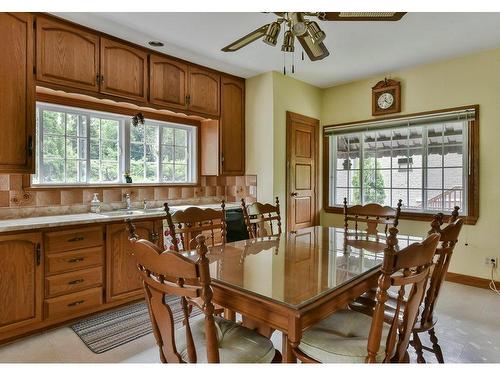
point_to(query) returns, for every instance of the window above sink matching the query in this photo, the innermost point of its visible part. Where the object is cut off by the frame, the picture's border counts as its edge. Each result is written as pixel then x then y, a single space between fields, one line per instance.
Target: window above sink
pixel 80 147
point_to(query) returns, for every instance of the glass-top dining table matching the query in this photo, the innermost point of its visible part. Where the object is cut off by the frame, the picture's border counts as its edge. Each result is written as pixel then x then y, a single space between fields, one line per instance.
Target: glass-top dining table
pixel 291 281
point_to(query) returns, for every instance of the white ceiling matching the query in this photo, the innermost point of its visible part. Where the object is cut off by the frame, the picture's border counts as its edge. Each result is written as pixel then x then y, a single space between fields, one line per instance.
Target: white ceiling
pixel 357 49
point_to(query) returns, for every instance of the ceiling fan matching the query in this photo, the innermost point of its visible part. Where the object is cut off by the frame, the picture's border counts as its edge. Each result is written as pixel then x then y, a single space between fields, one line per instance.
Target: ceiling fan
pixel 307 32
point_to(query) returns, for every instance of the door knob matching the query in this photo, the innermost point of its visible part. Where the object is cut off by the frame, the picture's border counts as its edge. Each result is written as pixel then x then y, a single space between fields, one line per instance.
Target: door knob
pixel 294 194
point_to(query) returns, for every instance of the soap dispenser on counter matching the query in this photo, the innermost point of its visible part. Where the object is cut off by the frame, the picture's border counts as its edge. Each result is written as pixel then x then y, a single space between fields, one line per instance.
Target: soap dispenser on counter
pixel 95 204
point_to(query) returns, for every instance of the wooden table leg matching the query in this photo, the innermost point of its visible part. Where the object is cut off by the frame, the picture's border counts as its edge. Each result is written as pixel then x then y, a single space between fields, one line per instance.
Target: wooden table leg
pixel 287 353
pixel 260 327
pixel 229 315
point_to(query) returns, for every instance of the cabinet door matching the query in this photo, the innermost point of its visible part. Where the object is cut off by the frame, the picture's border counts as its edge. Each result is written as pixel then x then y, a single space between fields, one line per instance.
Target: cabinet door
pixel 124 71
pixel 232 129
pixel 167 82
pixel 204 91
pixel 66 55
pixel 17 94
pixel 122 277
pixel 20 280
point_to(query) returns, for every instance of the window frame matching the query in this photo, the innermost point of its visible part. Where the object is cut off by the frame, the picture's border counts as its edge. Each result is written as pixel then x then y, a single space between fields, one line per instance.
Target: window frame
pixel 117 112
pixel 472 139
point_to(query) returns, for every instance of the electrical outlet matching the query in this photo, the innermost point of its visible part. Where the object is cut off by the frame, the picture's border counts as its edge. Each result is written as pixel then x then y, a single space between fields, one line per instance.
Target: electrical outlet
pixel 488 261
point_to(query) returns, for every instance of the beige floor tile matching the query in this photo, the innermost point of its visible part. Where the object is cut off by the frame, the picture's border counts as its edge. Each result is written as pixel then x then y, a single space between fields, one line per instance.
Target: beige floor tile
pixel 468 330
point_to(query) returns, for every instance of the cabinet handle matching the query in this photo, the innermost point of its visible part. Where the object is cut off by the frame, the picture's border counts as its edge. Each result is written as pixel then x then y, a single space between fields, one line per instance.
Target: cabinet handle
pixel 78 281
pixel 97 79
pixel 75 260
pixel 76 303
pixel 188 99
pixel 222 158
pixel 102 79
pixel 76 239
pixel 38 254
pixel 30 145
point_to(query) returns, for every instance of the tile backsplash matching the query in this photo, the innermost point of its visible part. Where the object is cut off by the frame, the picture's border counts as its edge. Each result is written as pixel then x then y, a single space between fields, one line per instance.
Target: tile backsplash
pixel 16 202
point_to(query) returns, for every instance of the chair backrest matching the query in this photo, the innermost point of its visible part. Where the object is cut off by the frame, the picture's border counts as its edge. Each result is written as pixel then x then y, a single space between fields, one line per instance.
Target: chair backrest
pixel 170 273
pixel 372 214
pixel 257 215
pixel 410 268
pixel 185 225
pixel 444 251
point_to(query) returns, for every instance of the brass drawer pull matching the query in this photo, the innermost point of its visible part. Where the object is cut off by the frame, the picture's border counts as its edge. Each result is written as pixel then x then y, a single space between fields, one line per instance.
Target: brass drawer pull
pixel 79 281
pixel 75 260
pixel 76 303
pixel 76 239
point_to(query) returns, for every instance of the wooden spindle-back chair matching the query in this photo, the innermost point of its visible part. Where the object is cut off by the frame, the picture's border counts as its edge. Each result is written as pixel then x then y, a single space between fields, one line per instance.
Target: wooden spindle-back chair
pixel 425 321
pixel 170 273
pixel 257 215
pixel 407 268
pixel 185 225
pixel 372 214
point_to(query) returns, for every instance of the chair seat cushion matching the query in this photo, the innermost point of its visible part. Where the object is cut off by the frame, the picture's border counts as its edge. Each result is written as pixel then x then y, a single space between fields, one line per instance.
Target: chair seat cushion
pixel 341 338
pixel 237 344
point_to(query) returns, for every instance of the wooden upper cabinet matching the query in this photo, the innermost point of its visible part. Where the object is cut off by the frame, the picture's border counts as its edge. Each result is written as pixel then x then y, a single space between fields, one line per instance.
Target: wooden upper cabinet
pixel 232 126
pixel 168 82
pixel 124 70
pixel 17 94
pixel 204 91
pixel 20 279
pixel 66 55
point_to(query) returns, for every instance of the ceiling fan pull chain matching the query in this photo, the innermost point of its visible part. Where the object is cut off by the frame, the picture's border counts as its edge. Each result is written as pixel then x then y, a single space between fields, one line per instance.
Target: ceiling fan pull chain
pixel 284 64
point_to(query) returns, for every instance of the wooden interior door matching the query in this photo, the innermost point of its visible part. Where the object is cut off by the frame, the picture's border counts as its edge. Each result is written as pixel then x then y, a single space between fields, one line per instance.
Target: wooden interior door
pixel 302 171
pixel 204 91
pixel 17 94
pixel 168 81
pixel 66 55
pixel 122 277
pixel 232 126
pixel 21 284
pixel 124 70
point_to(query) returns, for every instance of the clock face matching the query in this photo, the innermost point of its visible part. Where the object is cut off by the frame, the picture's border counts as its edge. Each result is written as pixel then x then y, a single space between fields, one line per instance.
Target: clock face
pixel 385 100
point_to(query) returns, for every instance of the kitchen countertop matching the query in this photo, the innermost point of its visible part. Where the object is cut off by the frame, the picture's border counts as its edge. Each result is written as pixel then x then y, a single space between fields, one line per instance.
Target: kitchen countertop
pixel 39 222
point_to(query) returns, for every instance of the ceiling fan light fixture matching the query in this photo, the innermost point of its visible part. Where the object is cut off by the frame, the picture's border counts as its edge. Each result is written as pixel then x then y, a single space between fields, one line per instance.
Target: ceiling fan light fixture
pixel 272 33
pixel 317 35
pixel 288 42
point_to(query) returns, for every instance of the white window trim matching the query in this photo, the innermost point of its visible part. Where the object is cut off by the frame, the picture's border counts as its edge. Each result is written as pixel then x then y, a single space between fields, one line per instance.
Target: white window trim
pixel 123 149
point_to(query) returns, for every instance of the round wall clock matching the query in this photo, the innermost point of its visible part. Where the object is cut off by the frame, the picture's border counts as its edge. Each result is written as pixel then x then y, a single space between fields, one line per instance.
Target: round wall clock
pixel 386 97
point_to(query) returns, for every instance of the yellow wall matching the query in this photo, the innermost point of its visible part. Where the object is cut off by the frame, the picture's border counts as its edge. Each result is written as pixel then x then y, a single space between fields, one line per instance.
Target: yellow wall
pixel 259 132
pixel 268 97
pixel 295 96
pixel 472 79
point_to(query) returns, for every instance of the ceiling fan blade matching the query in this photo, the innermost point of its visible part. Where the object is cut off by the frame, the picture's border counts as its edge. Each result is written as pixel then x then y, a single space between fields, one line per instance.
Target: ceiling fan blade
pixel 361 16
pixel 316 51
pixel 247 39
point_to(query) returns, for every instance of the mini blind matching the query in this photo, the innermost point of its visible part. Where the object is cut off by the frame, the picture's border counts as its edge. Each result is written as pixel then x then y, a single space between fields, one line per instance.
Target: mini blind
pixel 443 117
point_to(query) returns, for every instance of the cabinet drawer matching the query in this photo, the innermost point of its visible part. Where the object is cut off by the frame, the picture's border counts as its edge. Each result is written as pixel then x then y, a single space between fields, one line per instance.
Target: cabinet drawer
pixel 73 239
pixel 74 260
pixel 73 303
pixel 73 281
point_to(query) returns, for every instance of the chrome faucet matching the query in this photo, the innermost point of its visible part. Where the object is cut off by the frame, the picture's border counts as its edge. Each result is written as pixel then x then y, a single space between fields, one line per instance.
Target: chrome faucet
pixel 127 201
pixel 145 204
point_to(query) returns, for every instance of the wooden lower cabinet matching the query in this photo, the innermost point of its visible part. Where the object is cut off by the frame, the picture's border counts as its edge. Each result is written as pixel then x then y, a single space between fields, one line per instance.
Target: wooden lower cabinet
pixel 21 280
pixel 122 278
pixel 54 276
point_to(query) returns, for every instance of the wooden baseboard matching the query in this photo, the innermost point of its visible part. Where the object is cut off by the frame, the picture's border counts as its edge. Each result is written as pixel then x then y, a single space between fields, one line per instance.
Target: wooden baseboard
pixel 478 282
